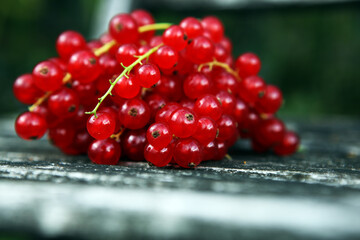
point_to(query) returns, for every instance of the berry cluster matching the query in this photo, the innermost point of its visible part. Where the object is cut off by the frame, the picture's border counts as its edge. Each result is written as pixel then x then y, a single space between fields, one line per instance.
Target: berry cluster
pixel 175 98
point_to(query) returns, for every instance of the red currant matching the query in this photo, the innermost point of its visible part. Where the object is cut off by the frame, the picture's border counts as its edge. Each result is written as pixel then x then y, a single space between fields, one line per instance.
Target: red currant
pixel 160 158
pixel 248 64
pixel 48 76
pixel 25 90
pixel 183 123
pixel 106 151
pixel 30 126
pixel 159 135
pixel 208 105
pixel 84 66
pixel 68 43
pixel 175 37
pixel 288 145
pixel 134 114
pixel 102 126
pixel 123 28
pixel 188 153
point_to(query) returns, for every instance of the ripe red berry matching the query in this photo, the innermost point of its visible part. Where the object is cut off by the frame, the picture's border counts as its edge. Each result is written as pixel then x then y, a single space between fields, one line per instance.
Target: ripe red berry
pixel 200 50
pixel 271 101
pixel 227 101
pixel 251 89
pixel 227 82
pixel 248 124
pixel 25 90
pixel 134 114
pixel 133 143
pixel 68 43
pixel 84 66
pixel 206 130
pixel 159 135
pixel 165 57
pixel 192 27
pixel 226 43
pixel 83 91
pixel 160 158
pixel 227 127
pixel 105 151
pixel 197 85
pixel 123 28
pixel 175 37
pixel 288 145
pixel 169 87
pixel 183 123
pixel 48 76
pixel 269 132
pixel 240 111
pixel 208 105
pixel 209 151
pixel 109 65
pixel 30 126
pixel 148 75
pixel 214 27
pixel 127 87
pixel 126 54
pixel 221 150
pixel 164 114
pixel 102 126
pixel 188 153
pixel 62 134
pixel 142 18
pixel 248 64
pixel 64 102
pixel 155 103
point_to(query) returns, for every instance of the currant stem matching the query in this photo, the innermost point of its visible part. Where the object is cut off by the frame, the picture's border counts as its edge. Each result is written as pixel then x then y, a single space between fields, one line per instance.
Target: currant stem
pixel 104 48
pixel 155 26
pixel 118 135
pixel 222 65
pixel 124 73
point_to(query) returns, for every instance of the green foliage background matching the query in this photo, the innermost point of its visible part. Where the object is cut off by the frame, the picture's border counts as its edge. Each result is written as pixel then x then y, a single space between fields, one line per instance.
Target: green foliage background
pixel 311 52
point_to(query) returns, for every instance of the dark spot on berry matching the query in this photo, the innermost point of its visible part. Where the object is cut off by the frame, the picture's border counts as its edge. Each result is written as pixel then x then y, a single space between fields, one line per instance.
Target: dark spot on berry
pixel 162 105
pixel 192 165
pixel 189 117
pixel 68 85
pixel 92 61
pixel 185 37
pixel 175 72
pixel 175 65
pixel 189 42
pixel 155 134
pixel 133 112
pixel 44 70
pixel 118 27
pixel 154 85
pixel 217 133
pixel 244 130
pixel 33 137
pixel 261 94
pixel 72 108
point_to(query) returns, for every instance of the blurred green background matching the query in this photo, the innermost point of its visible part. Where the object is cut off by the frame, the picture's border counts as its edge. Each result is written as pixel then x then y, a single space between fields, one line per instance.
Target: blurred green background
pixel 312 52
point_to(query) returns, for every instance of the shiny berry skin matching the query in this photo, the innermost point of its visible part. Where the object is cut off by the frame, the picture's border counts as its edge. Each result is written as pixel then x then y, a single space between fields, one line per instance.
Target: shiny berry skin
pixel 133 143
pixel 123 28
pixel 288 145
pixel 192 27
pixel 269 132
pixel 214 27
pixel 248 64
pixel 164 114
pixel 227 82
pixel 83 91
pixel 64 102
pixel 220 53
pixel 206 130
pixel 169 87
pixel 106 152
pixel 221 150
pixel 114 112
pixel 240 110
pixel 197 85
pixel 271 101
pixel 25 89
pixel 84 66
pixel 109 65
pixel 227 101
pixel 68 43
pixel 48 76
pixel 127 87
pixel 200 50
pixel 134 114
pixel 165 57
pixel 251 89
pixel 227 127
pixel 102 126
pixel 30 126
pixel 125 54
pixel 142 18
pixel 209 151
pixel 227 44
pixel 248 124
pixel 183 123
pixel 175 37
pixel 148 75
pixel 159 135
pixel 159 158
pixel 62 134
pixel 94 44
pixel 188 153
pixel 208 105
pixel 155 103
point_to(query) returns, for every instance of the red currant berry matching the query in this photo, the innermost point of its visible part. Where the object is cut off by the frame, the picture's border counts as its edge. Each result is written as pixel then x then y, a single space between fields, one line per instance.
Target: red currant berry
pixel 188 153
pixel 109 65
pixel 155 103
pixel 159 135
pixel 251 89
pixel 214 27
pixel 68 43
pixel 197 85
pixel 142 18
pixel 123 28
pixel 220 53
pixel 84 66
pixel 288 145
pixel 241 111
pixel 134 114
pixel 248 125
pixel 148 75
pixel 102 126
pixel 209 151
pixel 127 87
pixel 269 132
pixel 221 150
pixel 48 76
pixel 126 54
pixel 160 158
pixel 271 101
pixel 227 82
pixel 93 45
pixel 64 102
pixel 25 90
pixel 248 64
pixel 105 38
pixel 175 37
pixel 30 126
pixel 227 44
pixel 106 152
pixel 165 57
pixel 133 143
pixel 62 134
pixel 227 101
pixel 200 50
pixel 192 27
pixel 164 114
pixel 208 105
pixel 183 123
pixel 169 87
pixel 206 130
pixel 227 127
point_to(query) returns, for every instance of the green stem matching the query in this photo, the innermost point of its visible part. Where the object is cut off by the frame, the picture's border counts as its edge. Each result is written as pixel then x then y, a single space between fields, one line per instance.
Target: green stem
pixel 124 72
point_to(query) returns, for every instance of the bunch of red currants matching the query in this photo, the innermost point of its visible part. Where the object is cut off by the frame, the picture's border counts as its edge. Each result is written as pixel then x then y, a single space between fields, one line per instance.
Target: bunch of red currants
pixel 177 98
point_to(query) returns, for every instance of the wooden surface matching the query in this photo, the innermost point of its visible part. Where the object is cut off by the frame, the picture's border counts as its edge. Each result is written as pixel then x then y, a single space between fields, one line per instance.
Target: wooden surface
pixel 314 194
